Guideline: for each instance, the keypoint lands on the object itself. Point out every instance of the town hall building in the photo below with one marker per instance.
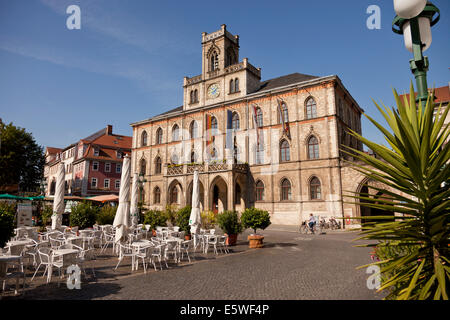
(273, 144)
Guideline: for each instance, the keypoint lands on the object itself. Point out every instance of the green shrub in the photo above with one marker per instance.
(208, 219)
(255, 219)
(182, 221)
(155, 218)
(106, 215)
(229, 222)
(171, 214)
(83, 215)
(6, 223)
(46, 215)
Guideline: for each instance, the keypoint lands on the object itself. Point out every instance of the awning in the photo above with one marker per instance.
(105, 198)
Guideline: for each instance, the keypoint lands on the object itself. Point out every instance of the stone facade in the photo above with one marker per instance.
(320, 110)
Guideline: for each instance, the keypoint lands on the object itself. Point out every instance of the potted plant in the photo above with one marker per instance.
(182, 221)
(229, 222)
(255, 219)
(155, 218)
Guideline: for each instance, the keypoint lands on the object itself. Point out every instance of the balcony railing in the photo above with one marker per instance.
(184, 169)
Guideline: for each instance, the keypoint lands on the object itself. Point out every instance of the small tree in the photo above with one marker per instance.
(208, 219)
(6, 223)
(171, 214)
(83, 215)
(182, 219)
(255, 219)
(106, 215)
(229, 222)
(155, 218)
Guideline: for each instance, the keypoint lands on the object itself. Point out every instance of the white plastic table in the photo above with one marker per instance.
(58, 252)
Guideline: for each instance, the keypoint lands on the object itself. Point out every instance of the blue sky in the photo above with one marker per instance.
(128, 61)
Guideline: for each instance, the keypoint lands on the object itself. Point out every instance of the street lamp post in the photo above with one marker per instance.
(414, 20)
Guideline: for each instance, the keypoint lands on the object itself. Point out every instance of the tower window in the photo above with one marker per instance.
(214, 61)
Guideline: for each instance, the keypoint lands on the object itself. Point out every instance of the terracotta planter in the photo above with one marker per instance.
(187, 237)
(255, 241)
(231, 239)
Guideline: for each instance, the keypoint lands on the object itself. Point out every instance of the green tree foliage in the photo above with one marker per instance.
(84, 215)
(182, 219)
(171, 214)
(21, 158)
(255, 219)
(208, 219)
(414, 246)
(7, 214)
(46, 215)
(155, 218)
(229, 222)
(106, 215)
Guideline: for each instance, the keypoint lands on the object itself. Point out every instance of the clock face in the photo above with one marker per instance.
(214, 90)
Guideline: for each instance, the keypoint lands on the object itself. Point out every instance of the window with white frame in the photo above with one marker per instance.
(96, 152)
(106, 183)
(117, 184)
(94, 183)
(118, 168)
(107, 167)
(95, 166)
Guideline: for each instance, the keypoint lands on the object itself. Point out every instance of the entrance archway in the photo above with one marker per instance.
(365, 190)
(218, 195)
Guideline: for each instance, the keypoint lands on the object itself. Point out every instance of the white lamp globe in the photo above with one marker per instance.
(408, 9)
(425, 34)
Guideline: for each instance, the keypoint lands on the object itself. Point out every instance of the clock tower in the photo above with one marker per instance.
(223, 77)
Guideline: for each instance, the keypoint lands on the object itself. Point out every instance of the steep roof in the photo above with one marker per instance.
(52, 150)
(116, 141)
(284, 81)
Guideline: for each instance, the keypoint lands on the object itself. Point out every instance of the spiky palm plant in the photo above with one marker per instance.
(417, 166)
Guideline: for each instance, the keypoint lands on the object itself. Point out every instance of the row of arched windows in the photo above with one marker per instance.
(234, 85)
(311, 112)
(285, 155)
(315, 190)
(194, 96)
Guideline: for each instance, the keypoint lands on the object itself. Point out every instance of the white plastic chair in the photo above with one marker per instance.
(158, 252)
(126, 250)
(212, 242)
(44, 260)
(222, 243)
(5, 276)
(171, 249)
(185, 247)
(143, 252)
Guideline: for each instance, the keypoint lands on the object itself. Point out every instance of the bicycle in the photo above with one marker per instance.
(305, 229)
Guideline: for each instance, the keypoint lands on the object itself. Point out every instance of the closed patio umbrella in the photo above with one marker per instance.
(58, 200)
(134, 210)
(195, 219)
(122, 218)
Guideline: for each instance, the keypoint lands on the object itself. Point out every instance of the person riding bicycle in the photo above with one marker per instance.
(311, 222)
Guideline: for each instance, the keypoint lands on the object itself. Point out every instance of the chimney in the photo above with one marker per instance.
(109, 130)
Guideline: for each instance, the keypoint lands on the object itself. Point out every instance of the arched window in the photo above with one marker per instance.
(284, 113)
(214, 61)
(231, 86)
(192, 97)
(259, 191)
(284, 151)
(193, 157)
(213, 126)
(158, 165)
(213, 154)
(157, 195)
(286, 192)
(313, 148)
(159, 136)
(193, 129)
(235, 121)
(259, 117)
(175, 133)
(174, 194)
(315, 189)
(144, 139)
(259, 153)
(311, 109)
(195, 95)
(143, 167)
(236, 85)
(174, 158)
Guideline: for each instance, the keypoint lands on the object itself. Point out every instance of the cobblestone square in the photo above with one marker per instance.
(291, 266)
